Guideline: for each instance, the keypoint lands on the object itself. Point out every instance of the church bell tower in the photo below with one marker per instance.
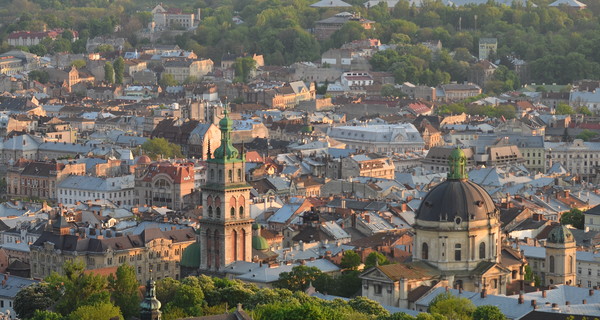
(225, 225)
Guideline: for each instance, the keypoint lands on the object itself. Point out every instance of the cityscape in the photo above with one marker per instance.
(300, 160)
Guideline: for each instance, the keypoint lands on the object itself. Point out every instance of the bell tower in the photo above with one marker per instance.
(225, 224)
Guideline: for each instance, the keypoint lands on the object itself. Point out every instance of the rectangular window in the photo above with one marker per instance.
(377, 289)
(579, 270)
(589, 272)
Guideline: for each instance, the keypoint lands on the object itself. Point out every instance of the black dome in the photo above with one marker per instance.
(456, 198)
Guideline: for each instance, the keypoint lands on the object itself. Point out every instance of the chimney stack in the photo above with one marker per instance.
(534, 303)
(591, 292)
(484, 293)
(543, 293)
(521, 299)
(584, 301)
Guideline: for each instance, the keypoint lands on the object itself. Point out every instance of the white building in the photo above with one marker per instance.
(118, 190)
(577, 157)
(384, 138)
(356, 79)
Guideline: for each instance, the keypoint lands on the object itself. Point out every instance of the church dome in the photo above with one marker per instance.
(260, 243)
(143, 160)
(560, 234)
(456, 199)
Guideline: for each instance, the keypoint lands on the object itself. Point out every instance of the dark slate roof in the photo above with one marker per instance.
(456, 198)
(540, 315)
(41, 169)
(529, 224)
(595, 210)
(507, 215)
(74, 243)
(358, 205)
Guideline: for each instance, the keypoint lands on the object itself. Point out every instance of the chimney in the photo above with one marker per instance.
(534, 303)
(543, 293)
(460, 290)
(404, 207)
(567, 193)
(368, 218)
(591, 292)
(521, 299)
(567, 303)
(584, 301)
(484, 293)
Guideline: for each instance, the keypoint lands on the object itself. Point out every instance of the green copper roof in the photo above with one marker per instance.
(560, 234)
(226, 152)
(259, 243)
(191, 256)
(150, 303)
(458, 165)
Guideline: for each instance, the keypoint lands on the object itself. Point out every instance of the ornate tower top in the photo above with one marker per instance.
(226, 152)
(150, 306)
(458, 165)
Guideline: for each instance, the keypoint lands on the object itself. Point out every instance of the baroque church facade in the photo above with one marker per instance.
(457, 243)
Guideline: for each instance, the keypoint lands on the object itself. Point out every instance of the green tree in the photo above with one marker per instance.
(119, 66)
(374, 257)
(243, 67)
(350, 260)
(45, 315)
(389, 90)
(109, 73)
(586, 135)
(76, 289)
(454, 308)
(105, 48)
(300, 277)
(564, 109)
(78, 63)
(574, 217)
(124, 290)
(167, 80)
(98, 311)
(160, 147)
(31, 299)
(165, 289)
(367, 306)
(584, 110)
(188, 298)
(488, 313)
(39, 75)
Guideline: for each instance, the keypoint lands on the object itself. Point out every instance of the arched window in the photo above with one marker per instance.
(230, 175)
(239, 174)
(425, 251)
(232, 212)
(482, 250)
(212, 174)
(551, 263)
(241, 212)
(457, 252)
(218, 212)
(220, 175)
(210, 211)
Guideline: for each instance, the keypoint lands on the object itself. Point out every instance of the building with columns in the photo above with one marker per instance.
(225, 224)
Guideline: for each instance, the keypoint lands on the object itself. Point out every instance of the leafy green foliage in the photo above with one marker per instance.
(32, 299)
(488, 313)
(573, 217)
(454, 308)
(167, 80)
(368, 306)
(45, 315)
(124, 290)
(39, 75)
(98, 311)
(564, 109)
(300, 277)
(350, 260)
(243, 67)
(119, 67)
(161, 147)
(109, 72)
(375, 257)
(586, 135)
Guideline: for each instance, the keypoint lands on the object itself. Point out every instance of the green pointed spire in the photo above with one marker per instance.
(458, 165)
(226, 152)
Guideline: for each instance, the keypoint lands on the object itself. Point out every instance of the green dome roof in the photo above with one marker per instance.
(191, 256)
(259, 243)
(560, 234)
(150, 303)
(458, 165)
